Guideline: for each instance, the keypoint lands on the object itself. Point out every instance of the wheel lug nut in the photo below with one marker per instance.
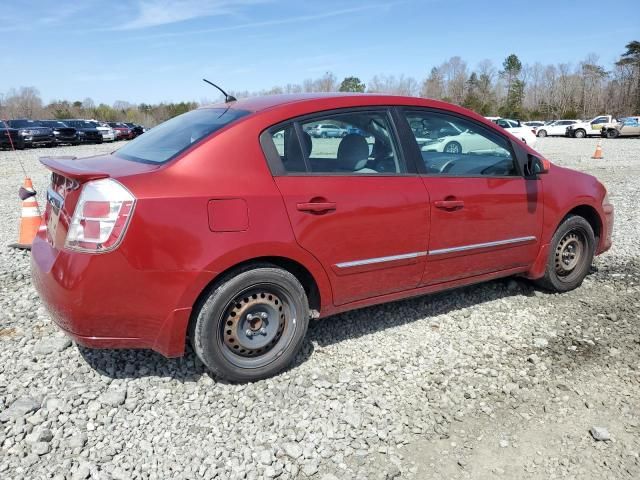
(249, 333)
(263, 331)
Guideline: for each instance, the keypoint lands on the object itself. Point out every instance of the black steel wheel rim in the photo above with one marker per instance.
(257, 326)
(569, 255)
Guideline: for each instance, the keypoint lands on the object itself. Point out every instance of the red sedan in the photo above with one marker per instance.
(122, 131)
(232, 227)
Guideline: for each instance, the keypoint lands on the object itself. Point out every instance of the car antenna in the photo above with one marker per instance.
(227, 98)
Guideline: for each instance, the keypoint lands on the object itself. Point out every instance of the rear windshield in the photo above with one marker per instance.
(162, 143)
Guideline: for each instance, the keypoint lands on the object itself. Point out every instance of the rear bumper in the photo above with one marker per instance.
(103, 301)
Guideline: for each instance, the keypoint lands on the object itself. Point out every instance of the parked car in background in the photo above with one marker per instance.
(524, 133)
(135, 128)
(33, 133)
(326, 130)
(556, 128)
(10, 137)
(625, 127)
(238, 241)
(87, 131)
(123, 131)
(64, 133)
(108, 133)
(590, 128)
(534, 124)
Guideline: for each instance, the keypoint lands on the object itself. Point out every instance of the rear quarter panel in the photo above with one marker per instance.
(171, 228)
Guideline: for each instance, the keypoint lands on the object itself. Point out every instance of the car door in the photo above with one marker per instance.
(353, 202)
(630, 126)
(485, 216)
(597, 123)
(557, 128)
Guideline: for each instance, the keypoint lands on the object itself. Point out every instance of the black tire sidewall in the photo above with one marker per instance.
(551, 279)
(206, 332)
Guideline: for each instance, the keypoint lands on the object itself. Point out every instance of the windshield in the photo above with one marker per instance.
(52, 123)
(79, 123)
(170, 138)
(23, 123)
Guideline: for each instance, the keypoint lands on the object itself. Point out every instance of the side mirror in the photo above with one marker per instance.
(536, 166)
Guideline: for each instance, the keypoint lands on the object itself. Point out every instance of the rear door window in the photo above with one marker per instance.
(353, 143)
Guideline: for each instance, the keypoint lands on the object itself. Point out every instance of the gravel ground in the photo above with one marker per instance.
(492, 381)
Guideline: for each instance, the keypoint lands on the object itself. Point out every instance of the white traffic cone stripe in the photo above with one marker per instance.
(30, 212)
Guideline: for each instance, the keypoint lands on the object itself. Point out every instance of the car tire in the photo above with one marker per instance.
(570, 255)
(452, 147)
(579, 133)
(612, 133)
(251, 324)
(542, 133)
(323, 135)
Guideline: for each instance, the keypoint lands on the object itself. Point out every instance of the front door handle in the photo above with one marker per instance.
(448, 204)
(316, 207)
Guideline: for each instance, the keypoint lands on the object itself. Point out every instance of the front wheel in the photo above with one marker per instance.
(252, 324)
(542, 133)
(453, 147)
(570, 256)
(579, 133)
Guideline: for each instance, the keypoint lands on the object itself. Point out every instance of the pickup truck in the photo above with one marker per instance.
(625, 127)
(590, 128)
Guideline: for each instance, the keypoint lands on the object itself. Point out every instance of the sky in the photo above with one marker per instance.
(159, 50)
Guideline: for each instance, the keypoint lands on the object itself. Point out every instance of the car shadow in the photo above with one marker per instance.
(369, 320)
(130, 363)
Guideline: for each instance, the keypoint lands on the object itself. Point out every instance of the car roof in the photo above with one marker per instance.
(317, 102)
(267, 102)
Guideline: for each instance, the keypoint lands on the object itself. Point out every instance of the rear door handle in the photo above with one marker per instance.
(448, 204)
(316, 207)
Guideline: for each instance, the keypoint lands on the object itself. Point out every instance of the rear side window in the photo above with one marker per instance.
(350, 143)
(164, 142)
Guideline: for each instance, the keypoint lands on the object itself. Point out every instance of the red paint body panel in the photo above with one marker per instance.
(368, 214)
(494, 209)
(228, 215)
(217, 205)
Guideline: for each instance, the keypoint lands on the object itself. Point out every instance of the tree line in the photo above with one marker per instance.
(512, 89)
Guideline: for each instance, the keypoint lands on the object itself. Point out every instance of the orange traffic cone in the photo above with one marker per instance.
(30, 218)
(597, 155)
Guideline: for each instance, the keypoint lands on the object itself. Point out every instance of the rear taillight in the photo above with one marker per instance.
(101, 216)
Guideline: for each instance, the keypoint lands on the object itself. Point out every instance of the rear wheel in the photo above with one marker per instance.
(612, 133)
(252, 324)
(580, 133)
(571, 254)
(453, 147)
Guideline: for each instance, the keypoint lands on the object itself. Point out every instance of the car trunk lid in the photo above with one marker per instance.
(67, 178)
